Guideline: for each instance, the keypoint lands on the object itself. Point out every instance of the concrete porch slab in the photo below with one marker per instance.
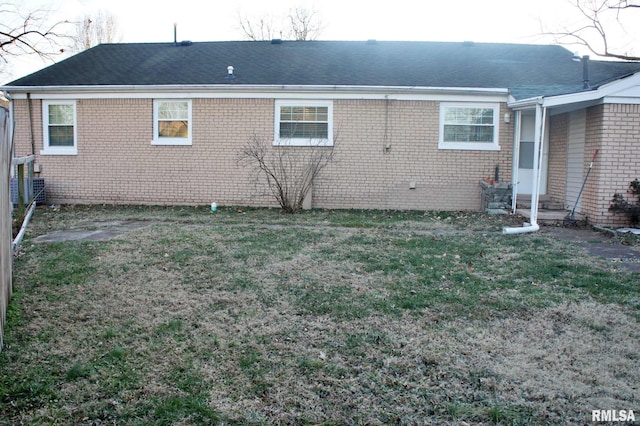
(551, 217)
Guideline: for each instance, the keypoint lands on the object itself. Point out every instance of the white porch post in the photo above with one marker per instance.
(538, 146)
(515, 164)
(541, 116)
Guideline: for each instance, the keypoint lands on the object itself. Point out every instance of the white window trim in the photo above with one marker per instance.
(277, 141)
(471, 146)
(171, 141)
(58, 150)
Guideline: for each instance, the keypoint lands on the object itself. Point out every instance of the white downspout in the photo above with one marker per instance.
(532, 226)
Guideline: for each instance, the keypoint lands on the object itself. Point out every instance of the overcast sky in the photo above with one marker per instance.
(509, 21)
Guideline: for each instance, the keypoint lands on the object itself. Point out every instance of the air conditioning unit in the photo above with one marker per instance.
(38, 190)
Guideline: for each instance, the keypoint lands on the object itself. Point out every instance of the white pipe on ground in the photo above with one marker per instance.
(18, 240)
(522, 230)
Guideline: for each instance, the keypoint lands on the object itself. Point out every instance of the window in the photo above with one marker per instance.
(59, 128)
(304, 123)
(469, 126)
(171, 122)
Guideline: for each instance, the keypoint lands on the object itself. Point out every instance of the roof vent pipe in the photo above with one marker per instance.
(230, 72)
(585, 69)
(585, 72)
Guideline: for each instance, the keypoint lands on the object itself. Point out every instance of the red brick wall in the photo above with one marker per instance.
(557, 167)
(116, 162)
(614, 129)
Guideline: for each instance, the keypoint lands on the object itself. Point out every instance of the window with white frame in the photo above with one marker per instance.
(59, 128)
(171, 122)
(469, 126)
(303, 123)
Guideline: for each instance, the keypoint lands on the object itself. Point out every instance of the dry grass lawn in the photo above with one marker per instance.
(253, 317)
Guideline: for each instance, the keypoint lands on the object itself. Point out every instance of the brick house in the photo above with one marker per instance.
(416, 125)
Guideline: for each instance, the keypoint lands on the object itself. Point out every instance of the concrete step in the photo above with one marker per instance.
(551, 205)
(555, 217)
(545, 203)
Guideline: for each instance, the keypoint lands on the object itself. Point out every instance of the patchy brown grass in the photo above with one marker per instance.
(359, 320)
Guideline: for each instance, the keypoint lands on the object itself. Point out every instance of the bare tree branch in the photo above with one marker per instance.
(263, 29)
(305, 24)
(289, 172)
(594, 32)
(92, 30)
(300, 24)
(30, 33)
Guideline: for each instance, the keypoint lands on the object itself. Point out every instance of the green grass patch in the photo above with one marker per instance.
(248, 316)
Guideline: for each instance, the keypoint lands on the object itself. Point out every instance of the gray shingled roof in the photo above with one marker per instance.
(527, 70)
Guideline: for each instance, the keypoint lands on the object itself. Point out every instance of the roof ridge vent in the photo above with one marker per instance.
(468, 43)
(372, 41)
(276, 41)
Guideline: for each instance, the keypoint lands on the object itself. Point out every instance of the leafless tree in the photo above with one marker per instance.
(305, 24)
(300, 24)
(259, 29)
(288, 171)
(29, 32)
(92, 30)
(598, 21)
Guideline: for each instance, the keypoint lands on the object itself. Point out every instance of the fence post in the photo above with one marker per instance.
(6, 254)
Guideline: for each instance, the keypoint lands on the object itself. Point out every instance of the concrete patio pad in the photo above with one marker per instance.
(94, 231)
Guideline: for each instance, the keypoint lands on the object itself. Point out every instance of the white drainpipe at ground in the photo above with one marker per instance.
(532, 226)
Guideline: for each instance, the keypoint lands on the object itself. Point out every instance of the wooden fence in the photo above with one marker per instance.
(6, 241)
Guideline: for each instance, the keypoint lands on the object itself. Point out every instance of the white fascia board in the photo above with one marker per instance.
(630, 96)
(626, 86)
(260, 91)
(625, 90)
(573, 98)
(622, 100)
(528, 103)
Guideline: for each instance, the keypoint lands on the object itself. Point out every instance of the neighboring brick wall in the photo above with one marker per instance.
(557, 166)
(614, 129)
(116, 162)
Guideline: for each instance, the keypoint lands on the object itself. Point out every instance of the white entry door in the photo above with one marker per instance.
(526, 155)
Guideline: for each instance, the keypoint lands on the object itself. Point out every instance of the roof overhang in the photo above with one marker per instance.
(255, 91)
(622, 91)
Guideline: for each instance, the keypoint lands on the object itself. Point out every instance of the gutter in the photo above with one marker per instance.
(257, 88)
(526, 103)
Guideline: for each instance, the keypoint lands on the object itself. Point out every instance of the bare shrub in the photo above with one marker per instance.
(289, 171)
(631, 208)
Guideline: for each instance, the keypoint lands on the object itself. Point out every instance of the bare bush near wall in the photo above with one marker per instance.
(288, 171)
(6, 237)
